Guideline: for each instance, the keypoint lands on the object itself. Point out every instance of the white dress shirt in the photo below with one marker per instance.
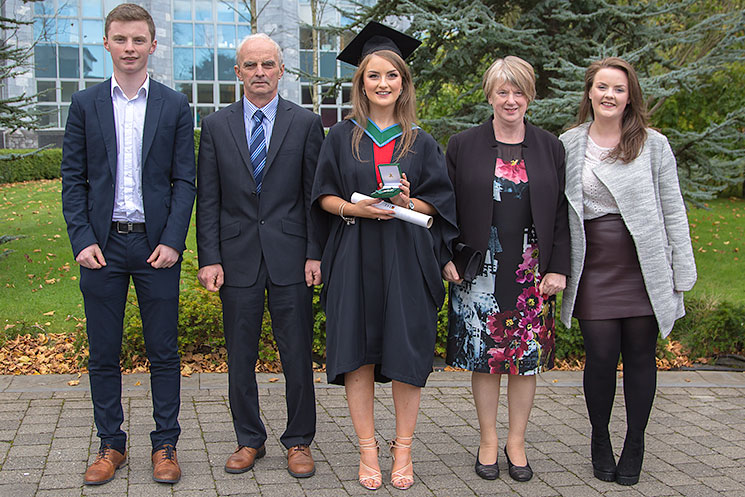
(129, 122)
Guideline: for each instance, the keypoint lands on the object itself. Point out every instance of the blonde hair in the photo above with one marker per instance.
(512, 70)
(634, 121)
(404, 111)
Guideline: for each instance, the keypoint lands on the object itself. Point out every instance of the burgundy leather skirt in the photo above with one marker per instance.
(611, 286)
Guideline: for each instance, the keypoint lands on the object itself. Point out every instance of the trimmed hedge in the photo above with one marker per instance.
(44, 164)
(710, 328)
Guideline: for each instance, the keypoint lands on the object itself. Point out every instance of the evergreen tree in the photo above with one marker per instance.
(679, 48)
(15, 112)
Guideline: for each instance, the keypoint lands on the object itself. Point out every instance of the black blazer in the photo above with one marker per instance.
(471, 157)
(236, 227)
(89, 167)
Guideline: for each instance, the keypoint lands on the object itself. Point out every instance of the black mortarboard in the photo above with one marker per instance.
(374, 37)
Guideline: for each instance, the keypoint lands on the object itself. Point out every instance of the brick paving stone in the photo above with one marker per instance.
(695, 440)
(18, 490)
(61, 481)
(723, 484)
(651, 487)
(698, 470)
(60, 492)
(117, 487)
(675, 478)
(560, 479)
(625, 492)
(579, 491)
(194, 493)
(151, 489)
(697, 491)
(24, 462)
(23, 477)
(28, 450)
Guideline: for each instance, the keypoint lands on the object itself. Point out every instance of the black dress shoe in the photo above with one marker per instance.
(630, 463)
(487, 471)
(603, 462)
(519, 473)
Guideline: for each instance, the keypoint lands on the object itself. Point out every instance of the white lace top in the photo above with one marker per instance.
(596, 198)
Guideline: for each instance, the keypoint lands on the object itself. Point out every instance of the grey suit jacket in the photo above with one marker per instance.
(236, 226)
(648, 195)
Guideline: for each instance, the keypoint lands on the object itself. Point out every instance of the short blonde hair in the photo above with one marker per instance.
(512, 70)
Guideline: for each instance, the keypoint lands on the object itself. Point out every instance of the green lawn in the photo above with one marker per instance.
(718, 236)
(39, 290)
(39, 280)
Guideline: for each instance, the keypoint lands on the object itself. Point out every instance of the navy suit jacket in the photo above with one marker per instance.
(89, 167)
(236, 227)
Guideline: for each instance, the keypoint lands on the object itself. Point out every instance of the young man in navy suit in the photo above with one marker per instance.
(127, 195)
(257, 159)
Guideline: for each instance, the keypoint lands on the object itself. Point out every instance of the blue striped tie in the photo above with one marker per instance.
(257, 148)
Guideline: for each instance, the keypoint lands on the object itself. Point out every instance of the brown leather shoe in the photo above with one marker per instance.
(299, 462)
(165, 465)
(243, 459)
(103, 468)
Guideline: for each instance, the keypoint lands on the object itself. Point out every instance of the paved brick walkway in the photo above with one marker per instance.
(695, 440)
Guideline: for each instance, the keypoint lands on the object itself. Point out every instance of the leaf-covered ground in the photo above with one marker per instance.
(41, 306)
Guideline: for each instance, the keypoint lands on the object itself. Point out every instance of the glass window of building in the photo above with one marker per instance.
(205, 36)
(69, 53)
(333, 104)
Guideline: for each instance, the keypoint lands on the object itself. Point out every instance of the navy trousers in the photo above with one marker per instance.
(105, 295)
(291, 311)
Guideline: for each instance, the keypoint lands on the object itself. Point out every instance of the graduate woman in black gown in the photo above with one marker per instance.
(382, 275)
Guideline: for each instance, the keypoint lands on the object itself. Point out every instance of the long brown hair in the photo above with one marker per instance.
(404, 111)
(634, 120)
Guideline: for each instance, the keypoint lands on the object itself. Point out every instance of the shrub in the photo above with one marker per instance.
(45, 164)
(711, 327)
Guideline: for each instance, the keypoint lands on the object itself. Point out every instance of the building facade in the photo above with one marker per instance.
(197, 40)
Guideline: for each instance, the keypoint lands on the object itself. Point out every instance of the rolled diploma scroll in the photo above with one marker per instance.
(401, 213)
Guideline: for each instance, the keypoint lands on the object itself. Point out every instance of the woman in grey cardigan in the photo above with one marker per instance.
(631, 255)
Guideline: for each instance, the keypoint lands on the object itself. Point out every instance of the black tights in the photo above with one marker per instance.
(636, 340)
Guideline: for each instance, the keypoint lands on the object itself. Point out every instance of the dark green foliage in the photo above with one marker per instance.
(685, 51)
(30, 165)
(17, 112)
(442, 327)
(711, 328)
(319, 326)
(200, 313)
(25, 165)
(569, 342)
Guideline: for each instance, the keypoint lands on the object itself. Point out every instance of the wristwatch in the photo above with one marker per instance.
(411, 204)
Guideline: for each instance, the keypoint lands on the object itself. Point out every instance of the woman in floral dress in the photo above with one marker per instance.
(508, 177)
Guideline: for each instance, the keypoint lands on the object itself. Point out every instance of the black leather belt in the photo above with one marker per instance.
(127, 227)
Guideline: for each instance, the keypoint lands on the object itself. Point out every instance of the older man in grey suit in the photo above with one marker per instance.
(257, 159)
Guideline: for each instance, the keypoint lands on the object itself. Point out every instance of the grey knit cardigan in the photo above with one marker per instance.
(648, 195)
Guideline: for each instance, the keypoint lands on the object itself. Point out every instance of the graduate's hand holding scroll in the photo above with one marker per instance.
(370, 209)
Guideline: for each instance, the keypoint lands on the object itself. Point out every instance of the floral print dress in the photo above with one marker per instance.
(500, 323)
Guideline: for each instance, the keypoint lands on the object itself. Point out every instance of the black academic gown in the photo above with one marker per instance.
(382, 279)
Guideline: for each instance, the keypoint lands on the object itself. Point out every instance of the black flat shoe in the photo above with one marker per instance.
(519, 473)
(630, 463)
(603, 462)
(487, 471)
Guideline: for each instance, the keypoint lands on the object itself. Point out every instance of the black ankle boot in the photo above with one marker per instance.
(630, 462)
(603, 462)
